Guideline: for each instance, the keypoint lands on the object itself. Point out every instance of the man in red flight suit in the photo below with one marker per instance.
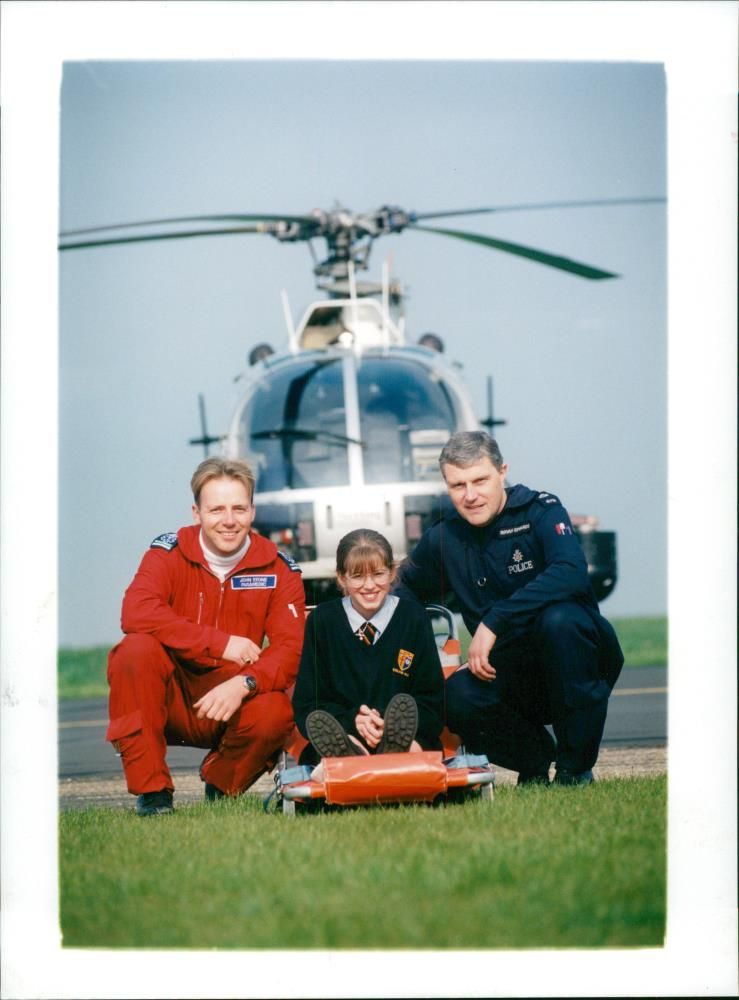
(191, 670)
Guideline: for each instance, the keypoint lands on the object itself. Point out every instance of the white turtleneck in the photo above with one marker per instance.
(222, 565)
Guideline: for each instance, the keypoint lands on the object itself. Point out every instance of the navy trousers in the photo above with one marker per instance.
(560, 673)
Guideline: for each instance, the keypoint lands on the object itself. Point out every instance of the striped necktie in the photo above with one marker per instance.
(366, 633)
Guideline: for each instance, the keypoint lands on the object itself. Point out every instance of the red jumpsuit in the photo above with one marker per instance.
(178, 618)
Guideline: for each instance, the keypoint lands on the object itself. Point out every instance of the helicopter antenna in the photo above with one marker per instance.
(490, 422)
(205, 439)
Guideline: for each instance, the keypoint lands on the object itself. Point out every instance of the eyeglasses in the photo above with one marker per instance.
(379, 576)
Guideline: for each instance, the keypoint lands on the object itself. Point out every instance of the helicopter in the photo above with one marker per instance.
(343, 427)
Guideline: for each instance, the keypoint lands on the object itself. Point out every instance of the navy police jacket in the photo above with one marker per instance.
(505, 573)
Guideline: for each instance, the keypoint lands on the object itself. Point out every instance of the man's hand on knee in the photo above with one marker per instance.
(479, 650)
(241, 650)
(222, 701)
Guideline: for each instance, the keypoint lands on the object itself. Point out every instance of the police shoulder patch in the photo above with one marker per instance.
(547, 498)
(166, 541)
(290, 562)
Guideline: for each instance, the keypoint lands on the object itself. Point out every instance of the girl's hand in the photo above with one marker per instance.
(370, 725)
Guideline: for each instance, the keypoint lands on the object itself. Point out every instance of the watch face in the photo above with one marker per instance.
(250, 683)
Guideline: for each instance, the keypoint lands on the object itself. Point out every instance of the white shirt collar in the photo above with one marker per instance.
(381, 618)
(222, 565)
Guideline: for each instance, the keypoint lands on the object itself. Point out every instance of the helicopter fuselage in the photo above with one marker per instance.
(344, 431)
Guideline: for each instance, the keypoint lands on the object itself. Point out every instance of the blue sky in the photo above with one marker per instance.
(579, 367)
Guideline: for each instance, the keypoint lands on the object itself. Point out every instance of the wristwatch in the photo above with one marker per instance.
(250, 683)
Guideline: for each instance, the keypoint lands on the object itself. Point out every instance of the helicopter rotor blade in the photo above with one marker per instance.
(539, 256)
(343, 230)
(185, 234)
(537, 206)
(231, 217)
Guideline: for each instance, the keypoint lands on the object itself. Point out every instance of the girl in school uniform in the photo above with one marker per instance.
(370, 679)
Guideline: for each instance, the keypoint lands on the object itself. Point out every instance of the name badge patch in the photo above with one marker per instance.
(519, 529)
(254, 582)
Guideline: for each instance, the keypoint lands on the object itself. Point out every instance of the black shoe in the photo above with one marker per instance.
(212, 794)
(537, 778)
(154, 803)
(328, 736)
(401, 723)
(538, 773)
(565, 777)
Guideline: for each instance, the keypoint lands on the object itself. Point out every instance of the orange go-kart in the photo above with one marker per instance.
(430, 776)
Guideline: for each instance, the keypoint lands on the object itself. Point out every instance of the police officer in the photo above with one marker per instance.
(540, 652)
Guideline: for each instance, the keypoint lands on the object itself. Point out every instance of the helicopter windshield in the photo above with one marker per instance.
(294, 427)
(406, 416)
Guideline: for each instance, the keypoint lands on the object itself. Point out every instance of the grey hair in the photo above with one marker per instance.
(467, 447)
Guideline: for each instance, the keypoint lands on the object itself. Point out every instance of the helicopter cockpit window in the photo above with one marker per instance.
(294, 427)
(407, 414)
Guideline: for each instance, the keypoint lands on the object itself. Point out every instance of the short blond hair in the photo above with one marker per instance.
(222, 468)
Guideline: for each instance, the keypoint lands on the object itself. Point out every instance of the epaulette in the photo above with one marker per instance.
(290, 562)
(166, 541)
(547, 498)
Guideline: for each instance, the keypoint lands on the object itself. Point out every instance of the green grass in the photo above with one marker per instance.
(81, 672)
(536, 868)
(643, 640)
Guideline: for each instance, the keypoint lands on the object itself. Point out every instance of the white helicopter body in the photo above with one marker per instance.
(344, 430)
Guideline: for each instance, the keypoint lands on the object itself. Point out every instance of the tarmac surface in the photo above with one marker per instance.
(90, 774)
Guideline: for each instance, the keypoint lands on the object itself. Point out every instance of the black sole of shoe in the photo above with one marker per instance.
(401, 723)
(328, 736)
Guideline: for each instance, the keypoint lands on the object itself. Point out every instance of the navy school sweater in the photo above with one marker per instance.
(338, 673)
